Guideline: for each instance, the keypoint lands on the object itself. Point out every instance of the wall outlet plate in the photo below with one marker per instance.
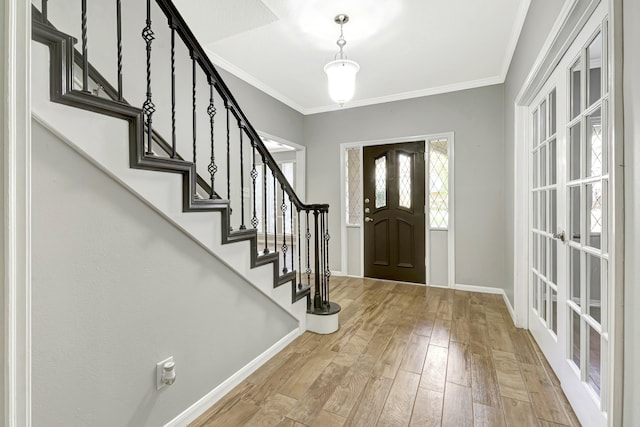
(159, 366)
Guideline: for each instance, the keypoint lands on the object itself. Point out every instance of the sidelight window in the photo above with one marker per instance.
(439, 184)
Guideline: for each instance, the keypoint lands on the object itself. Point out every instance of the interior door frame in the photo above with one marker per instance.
(572, 18)
(450, 136)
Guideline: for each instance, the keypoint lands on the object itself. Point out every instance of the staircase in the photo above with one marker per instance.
(217, 164)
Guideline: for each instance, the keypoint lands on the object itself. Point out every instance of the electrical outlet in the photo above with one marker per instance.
(159, 369)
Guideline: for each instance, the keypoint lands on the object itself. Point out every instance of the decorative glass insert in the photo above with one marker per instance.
(439, 183)
(594, 72)
(576, 94)
(594, 144)
(404, 180)
(594, 201)
(381, 182)
(352, 186)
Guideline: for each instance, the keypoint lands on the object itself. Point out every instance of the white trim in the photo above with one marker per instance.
(198, 408)
(300, 186)
(520, 18)
(17, 211)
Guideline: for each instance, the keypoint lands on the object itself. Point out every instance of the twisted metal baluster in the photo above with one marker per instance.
(283, 208)
(317, 299)
(119, 37)
(275, 215)
(320, 272)
(148, 107)
(327, 272)
(212, 168)
(85, 58)
(173, 88)
(308, 236)
(254, 176)
(242, 226)
(291, 234)
(264, 202)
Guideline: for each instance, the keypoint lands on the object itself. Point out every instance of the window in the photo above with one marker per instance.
(287, 169)
(352, 186)
(438, 184)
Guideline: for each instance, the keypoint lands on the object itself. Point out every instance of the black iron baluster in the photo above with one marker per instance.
(327, 272)
(85, 58)
(173, 88)
(226, 105)
(308, 236)
(317, 300)
(119, 31)
(148, 107)
(275, 215)
(283, 208)
(254, 176)
(212, 168)
(291, 234)
(44, 11)
(264, 203)
(193, 113)
(242, 226)
(299, 253)
(322, 264)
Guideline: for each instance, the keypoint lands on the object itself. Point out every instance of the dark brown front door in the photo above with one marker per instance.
(394, 221)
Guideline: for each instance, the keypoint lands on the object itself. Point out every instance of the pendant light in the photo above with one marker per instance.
(341, 72)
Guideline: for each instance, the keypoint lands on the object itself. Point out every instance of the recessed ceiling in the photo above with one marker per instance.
(405, 48)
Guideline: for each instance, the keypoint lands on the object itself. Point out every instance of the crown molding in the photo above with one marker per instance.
(515, 35)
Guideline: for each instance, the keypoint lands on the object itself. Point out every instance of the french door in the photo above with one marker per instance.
(569, 226)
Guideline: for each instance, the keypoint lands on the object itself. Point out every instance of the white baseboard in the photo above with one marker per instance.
(509, 307)
(194, 411)
(480, 289)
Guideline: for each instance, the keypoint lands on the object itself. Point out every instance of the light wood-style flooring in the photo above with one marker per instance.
(404, 355)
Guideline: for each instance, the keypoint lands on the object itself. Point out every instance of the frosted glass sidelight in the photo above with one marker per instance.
(381, 181)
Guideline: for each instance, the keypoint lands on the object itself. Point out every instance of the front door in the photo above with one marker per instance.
(394, 206)
(570, 226)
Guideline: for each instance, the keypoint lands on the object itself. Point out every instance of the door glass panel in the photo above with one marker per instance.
(535, 128)
(543, 300)
(404, 180)
(594, 357)
(535, 169)
(554, 261)
(593, 286)
(594, 61)
(594, 215)
(574, 213)
(575, 338)
(543, 121)
(554, 310)
(535, 291)
(535, 251)
(574, 276)
(553, 211)
(594, 144)
(381, 181)
(543, 166)
(543, 256)
(574, 152)
(576, 94)
(439, 183)
(535, 209)
(552, 162)
(552, 113)
(543, 210)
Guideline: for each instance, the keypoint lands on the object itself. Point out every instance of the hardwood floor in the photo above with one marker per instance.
(404, 356)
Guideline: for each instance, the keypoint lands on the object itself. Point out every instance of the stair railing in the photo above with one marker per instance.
(300, 233)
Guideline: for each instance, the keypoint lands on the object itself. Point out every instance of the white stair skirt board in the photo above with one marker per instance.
(104, 141)
(207, 401)
(322, 324)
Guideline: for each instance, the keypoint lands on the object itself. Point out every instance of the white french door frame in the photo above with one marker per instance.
(450, 137)
(573, 17)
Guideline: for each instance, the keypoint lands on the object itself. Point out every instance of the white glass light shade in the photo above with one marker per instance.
(341, 75)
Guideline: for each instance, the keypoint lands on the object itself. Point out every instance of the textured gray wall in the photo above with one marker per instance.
(116, 289)
(631, 11)
(2, 118)
(540, 18)
(476, 117)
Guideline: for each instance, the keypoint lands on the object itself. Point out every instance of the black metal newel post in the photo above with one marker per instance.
(212, 168)
(264, 203)
(119, 36)
(85, 58)
(291, 233)
(322, 264)
(242, 226)
(308, 236)
(317, 300)
(283, 208)
(148, 107)
(226, 106)
(173, 88)
(254, 176)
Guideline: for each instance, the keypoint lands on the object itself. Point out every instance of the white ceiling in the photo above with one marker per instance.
(405, 48)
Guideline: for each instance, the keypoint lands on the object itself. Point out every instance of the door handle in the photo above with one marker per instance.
(368, 219)
(559, 235)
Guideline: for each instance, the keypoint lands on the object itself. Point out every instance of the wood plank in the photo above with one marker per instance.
(487, 416)
(484, 382)
(525, 353)
(327, 419)
(518, 413)
(348, 391)
(435, 368)
(459, 364)
(416, 352)
(280, 376)
(302, 378)
(509, 378)
(427, 409)
(273, 411)
(397, 409)
(440, 333)
(479, 339)
(461, 330)
(389, 362)
(224, 404)
(424, 325)
(543, 397)
(458, 408)
(288, 422)
(366, 411)
(238, 415)
(379, 341)
(311, 402)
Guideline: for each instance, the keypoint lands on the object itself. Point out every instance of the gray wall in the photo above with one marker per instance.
(540, 18)
(2, 118)
(476, 117)
(116, 289)
(631, 11)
